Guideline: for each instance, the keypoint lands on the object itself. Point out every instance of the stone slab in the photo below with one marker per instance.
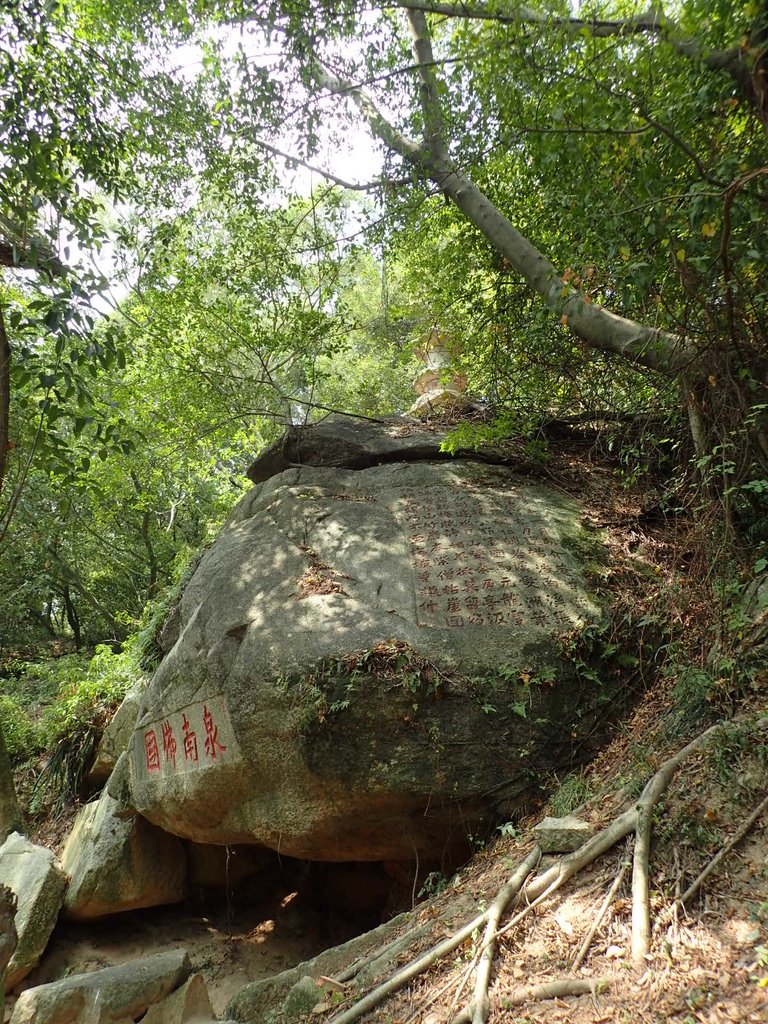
(562, 835)
(108, 996)
(117, 864)
(34, 876)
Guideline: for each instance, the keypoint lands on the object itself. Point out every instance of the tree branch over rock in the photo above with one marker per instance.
(593, 324)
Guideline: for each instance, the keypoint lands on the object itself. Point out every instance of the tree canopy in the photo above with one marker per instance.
(575, 197)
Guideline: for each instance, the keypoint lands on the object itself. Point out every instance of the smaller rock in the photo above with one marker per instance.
(109, 996)
(188, 1003)
(37, 881)
(116, 737)
(562, 835)
(119, 788)
(118, 864)
(302, 998)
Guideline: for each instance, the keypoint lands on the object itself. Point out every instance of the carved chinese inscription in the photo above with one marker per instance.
(484, 559)
(171, 744)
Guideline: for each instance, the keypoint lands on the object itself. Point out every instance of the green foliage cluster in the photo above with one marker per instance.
(53, 714)
(45, 702)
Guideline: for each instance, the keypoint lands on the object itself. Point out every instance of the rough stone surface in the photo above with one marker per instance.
(7, 938)
(118, 864)
(355, 675)
(37, 881)
(108, 996)
(347, 443)
(562, 835)
(302, 998)
(254, 1002)
(119, 788)
(186, 1005)
(116, 736)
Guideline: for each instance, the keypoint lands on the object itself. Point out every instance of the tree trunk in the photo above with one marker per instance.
(152, 582)
(72, 617)
(71, 578)
(5, 397)
(10, 813)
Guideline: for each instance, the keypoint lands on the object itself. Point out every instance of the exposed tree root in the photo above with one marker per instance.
(480, 1006)
(653, 792)
(637, 819)
(584, 948)
(556, 990)
(418, 966)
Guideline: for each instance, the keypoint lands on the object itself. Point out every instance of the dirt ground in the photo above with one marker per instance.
(708, 963)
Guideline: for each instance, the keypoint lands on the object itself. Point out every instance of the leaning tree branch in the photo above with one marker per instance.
(598, 327)
(428, 93)
(733, 61)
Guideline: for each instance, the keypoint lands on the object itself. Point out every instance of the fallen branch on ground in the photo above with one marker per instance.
(694, 887)
(556, 990)
(584, 948)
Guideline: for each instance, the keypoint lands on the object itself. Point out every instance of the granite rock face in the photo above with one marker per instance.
(364, 665)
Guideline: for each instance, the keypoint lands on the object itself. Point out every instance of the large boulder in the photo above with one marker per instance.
(117, 864)
(32, 873)
(365, 664)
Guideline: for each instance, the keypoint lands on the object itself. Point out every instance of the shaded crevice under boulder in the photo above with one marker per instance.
(366, 663)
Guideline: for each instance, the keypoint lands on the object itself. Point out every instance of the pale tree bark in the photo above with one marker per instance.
(598, 327)
(10, 813)
(745, 65)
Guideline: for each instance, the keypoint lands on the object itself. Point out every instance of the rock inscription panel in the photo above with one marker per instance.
(481, 558)
(199, 735)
